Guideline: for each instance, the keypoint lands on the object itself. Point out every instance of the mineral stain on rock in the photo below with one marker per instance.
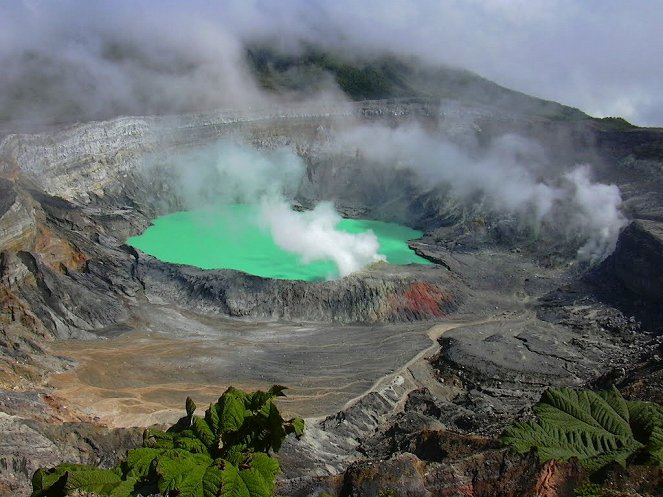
(425, 299)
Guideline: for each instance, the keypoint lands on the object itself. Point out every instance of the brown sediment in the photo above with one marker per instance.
(131, 381)
(142, 378)
(426, 298)
(57, 253)
(422, 300)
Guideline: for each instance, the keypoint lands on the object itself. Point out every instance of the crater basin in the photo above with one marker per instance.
(234, 237)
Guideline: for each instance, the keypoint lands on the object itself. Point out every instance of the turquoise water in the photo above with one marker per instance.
(232, 237)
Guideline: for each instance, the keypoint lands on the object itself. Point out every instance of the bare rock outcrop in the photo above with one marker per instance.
(637, 261)
(379, 294)
(482, 473)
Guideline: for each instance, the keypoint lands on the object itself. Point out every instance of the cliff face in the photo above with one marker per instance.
(637, 261)
(382, 294)
(80, 161)
(17, 218)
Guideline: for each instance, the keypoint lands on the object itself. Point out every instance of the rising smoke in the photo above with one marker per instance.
(512, 174)
(508, 174)
(598, 213)
(313, 235)
(81, 60)
(233, 172)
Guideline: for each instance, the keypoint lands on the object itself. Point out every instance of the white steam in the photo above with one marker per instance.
(314, 236)
(228, 172)
(511, 173)
(505, 173)
(598, 214)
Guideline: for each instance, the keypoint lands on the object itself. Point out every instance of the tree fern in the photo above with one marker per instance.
(597, 428)
(226, 452)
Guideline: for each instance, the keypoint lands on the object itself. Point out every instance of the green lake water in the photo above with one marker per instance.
(232, 237)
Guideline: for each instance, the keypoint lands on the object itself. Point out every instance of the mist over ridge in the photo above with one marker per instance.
(79, 60)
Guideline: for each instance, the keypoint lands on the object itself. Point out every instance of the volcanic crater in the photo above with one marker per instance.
(467, 343)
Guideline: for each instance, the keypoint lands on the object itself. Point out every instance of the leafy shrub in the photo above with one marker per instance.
(597, 428)
(617, 123)
(589, 490)
(225, 453)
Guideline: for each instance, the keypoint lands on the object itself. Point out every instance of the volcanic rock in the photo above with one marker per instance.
(637, 261)
(510, 309)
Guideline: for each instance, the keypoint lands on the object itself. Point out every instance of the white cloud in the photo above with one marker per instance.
(601, 56)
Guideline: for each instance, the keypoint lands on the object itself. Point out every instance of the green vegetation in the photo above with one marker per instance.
(616, 123)
(381, 78)
(597, 428)
(225, 453)
(388, 76)
(589, 490)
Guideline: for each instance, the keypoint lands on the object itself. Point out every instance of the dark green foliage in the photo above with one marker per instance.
(380, 78)
(226, 453)
(617, 123)
(589, 490)
(256, 481)
(597, 428)
(387, 77)
(67, 478)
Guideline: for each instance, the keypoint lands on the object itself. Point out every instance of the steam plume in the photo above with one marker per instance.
(313, 236)
(598, 214)
(508, 173)
(230, 172)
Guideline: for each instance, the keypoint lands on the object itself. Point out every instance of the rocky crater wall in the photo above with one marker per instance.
(379, 294)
